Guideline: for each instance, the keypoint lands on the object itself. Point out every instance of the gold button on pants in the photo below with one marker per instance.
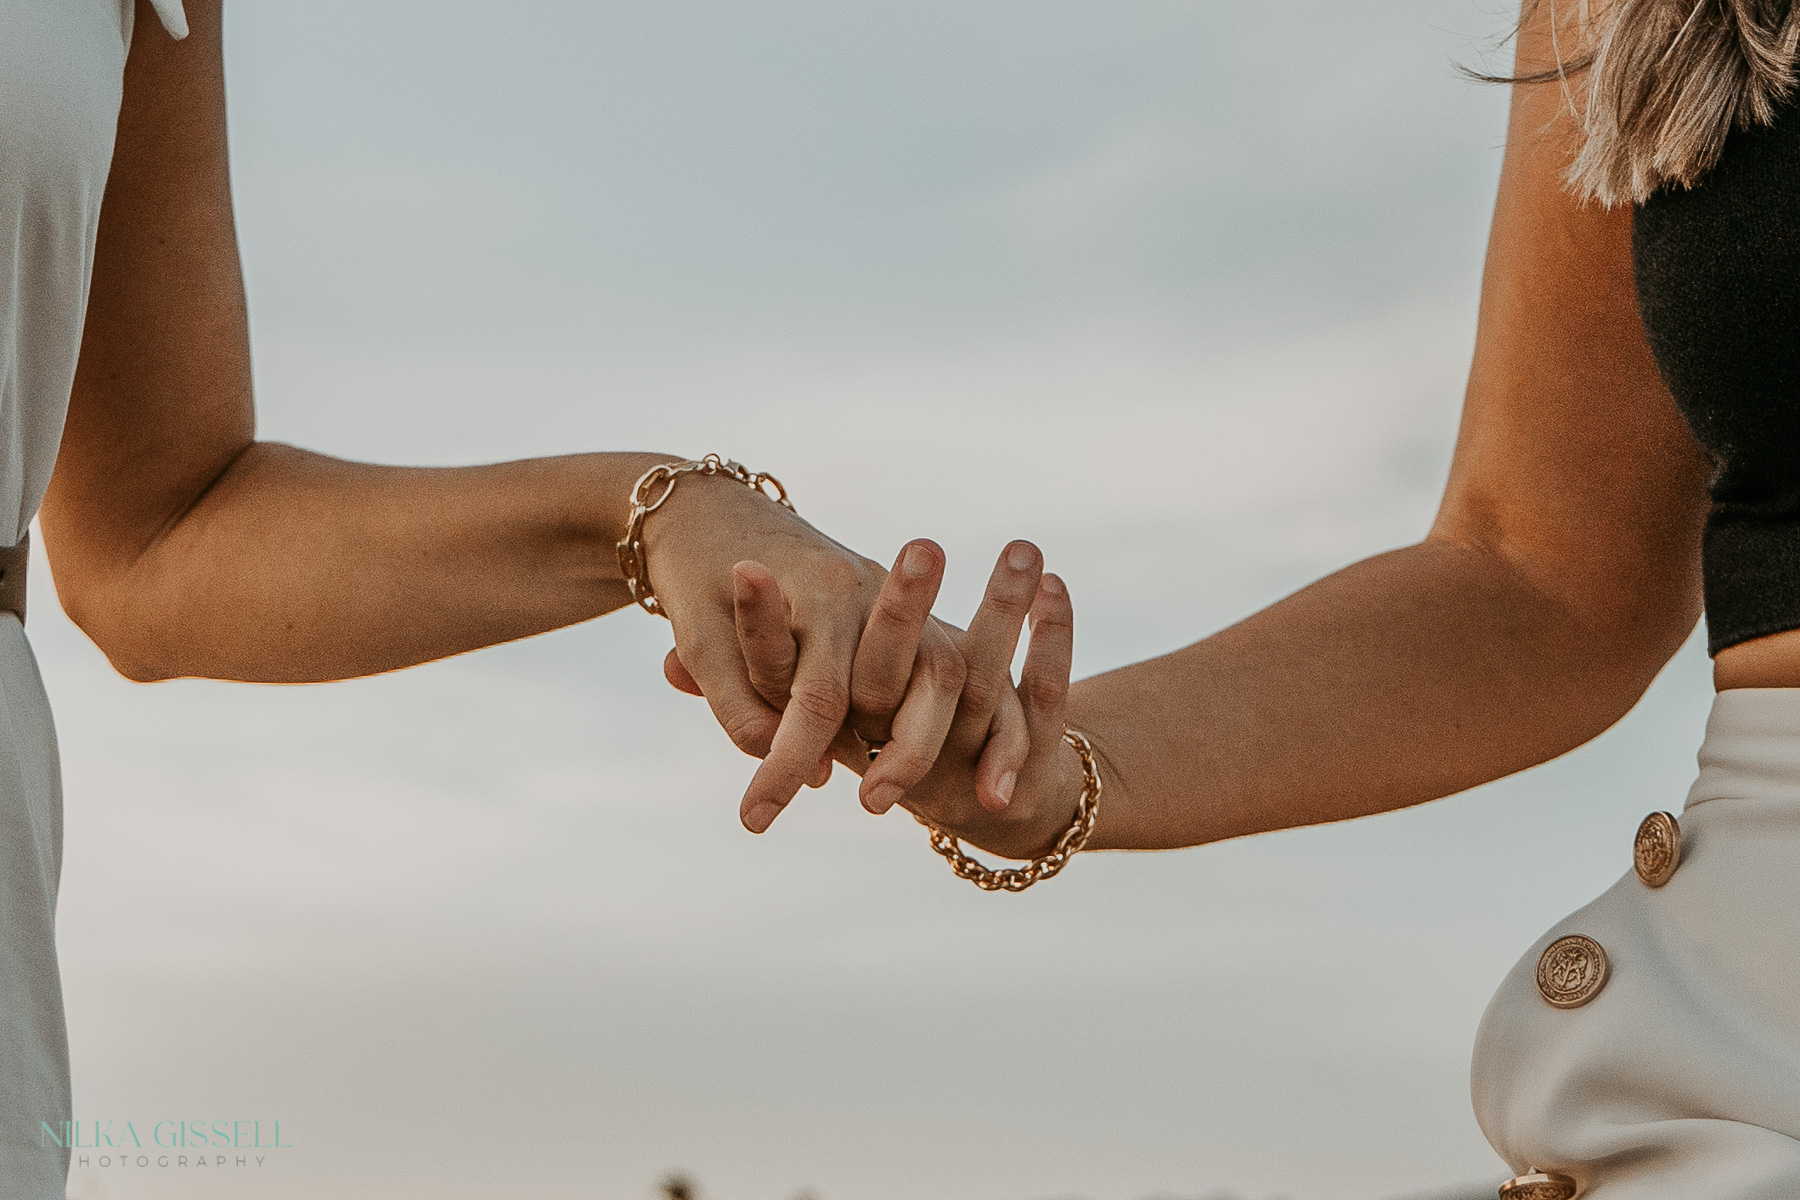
(1656, 852)
(1572, 970)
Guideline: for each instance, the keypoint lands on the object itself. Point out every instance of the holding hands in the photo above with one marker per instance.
(827, 660)
(775, 644)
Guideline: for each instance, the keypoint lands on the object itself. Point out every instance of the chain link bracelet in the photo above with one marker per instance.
(646, 499)
(1017, 879)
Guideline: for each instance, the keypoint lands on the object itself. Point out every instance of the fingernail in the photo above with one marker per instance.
(916, 561)
(1053, 585)
(883, 797)
(1004, 788)
(761, 817)
(1021, 557)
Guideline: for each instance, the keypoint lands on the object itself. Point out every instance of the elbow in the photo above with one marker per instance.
(121, 634)
(129, 656)
(1611, 654)
(1587, 635)
(1626, 642)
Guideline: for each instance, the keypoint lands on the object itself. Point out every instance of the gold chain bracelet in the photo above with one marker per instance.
(632, 563)
(1017, 879)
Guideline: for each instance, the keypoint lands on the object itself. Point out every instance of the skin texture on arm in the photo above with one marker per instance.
(1560, 575)
(185, 547)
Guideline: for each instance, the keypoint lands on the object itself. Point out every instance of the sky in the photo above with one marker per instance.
(1184, 292)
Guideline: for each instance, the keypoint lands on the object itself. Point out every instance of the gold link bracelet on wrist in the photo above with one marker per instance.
(632, 564)
(1017, 879)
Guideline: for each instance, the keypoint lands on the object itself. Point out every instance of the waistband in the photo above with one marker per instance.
(1752, 747)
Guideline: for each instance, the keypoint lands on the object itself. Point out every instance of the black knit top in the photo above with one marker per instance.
(1718, 284)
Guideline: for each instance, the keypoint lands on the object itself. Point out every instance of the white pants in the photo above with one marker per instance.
(1681, 1079)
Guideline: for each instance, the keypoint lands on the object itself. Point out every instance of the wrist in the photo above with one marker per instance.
(1070, 842)
(586, 501)
(698, 506)
(700, 514)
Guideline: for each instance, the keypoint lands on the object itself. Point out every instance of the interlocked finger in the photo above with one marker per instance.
(1004, 756)
(919, 728)
(765, 631)
(992, 639)
(816, 708)
(890, 647)
(1044, 681)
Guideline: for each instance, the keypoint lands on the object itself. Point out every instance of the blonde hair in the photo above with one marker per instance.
(1662, 83)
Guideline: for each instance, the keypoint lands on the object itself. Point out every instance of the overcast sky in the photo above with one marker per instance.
(1183, 291)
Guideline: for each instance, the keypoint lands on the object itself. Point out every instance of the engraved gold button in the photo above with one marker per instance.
(1657, 851)
(1572, 971)
(1539, 1185)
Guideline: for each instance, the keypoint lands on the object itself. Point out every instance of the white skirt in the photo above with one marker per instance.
(1680, 1079)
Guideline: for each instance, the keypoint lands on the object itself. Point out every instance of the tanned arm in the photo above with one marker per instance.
(1561, 573)
(185, 547)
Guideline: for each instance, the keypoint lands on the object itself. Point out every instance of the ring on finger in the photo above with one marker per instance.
(874, 747)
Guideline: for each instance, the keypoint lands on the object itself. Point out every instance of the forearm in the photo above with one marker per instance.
(1403, 678)
(293, 566)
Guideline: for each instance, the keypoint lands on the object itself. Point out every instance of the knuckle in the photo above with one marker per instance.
(753, 733)
(1044, 694)
(1007, 604)
(765, 669)
(823, 698)
(771, 682)
(941, 663)
(764, 658)
(893, 608)
(981, 691)
(881, 698)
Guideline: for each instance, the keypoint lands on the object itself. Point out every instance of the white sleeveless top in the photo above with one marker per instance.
(62, 67)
